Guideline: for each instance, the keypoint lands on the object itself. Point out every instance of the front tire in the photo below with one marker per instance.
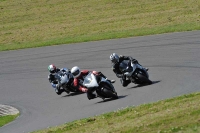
(59, 92)
(143, 79)
(111, 94)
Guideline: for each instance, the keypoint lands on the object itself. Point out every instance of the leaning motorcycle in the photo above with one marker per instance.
(104, 88)
(65, 80)
(134, 72)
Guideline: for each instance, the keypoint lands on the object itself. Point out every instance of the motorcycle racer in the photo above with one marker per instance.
(79, 78)
(51, 77)
(116, 60)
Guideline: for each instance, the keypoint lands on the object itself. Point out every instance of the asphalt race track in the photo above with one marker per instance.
(173, 61)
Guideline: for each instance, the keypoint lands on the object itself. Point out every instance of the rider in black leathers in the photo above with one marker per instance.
(116, 60)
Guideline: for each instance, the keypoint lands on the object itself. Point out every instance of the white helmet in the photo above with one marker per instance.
(114, 58)
(75, 71)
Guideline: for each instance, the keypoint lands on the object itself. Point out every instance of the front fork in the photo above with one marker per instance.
(109, 85)
(141, 71)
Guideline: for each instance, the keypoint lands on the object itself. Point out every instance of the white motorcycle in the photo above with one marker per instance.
(102, 86)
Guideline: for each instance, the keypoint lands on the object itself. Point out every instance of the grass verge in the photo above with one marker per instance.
(179, 114)
(27, 23)
(6, 119)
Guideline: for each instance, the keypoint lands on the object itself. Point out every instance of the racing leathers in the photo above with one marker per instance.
(54, 82)
(119, 74)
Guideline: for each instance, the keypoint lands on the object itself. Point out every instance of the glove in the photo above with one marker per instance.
(134, 61)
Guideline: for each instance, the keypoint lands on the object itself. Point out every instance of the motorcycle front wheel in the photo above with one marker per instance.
(109, 93)
(143, 79)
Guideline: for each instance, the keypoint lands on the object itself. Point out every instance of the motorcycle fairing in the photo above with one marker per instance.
(64, 79)
(127, 67)
(132, 69)
(90, 81)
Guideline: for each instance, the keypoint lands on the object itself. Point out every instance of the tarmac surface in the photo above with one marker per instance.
(173, 60)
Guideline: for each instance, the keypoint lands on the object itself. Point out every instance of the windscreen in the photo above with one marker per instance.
(125, 66)
(87, 79)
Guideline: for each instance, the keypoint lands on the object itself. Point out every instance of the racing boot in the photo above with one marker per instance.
(90, 95)
(67, 91)
(58, 90)
(101, 97)
(111, 81)
(125, 82)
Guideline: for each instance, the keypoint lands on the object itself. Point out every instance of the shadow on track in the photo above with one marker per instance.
(137, 86)
(154, 82)
(74, 94)
(111, 99)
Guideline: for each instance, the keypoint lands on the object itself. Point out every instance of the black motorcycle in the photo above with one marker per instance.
(134, 72)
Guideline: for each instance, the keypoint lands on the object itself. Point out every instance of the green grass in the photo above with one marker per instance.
(27, 23)
(176, 115)
(6, 119)
(37, 23)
